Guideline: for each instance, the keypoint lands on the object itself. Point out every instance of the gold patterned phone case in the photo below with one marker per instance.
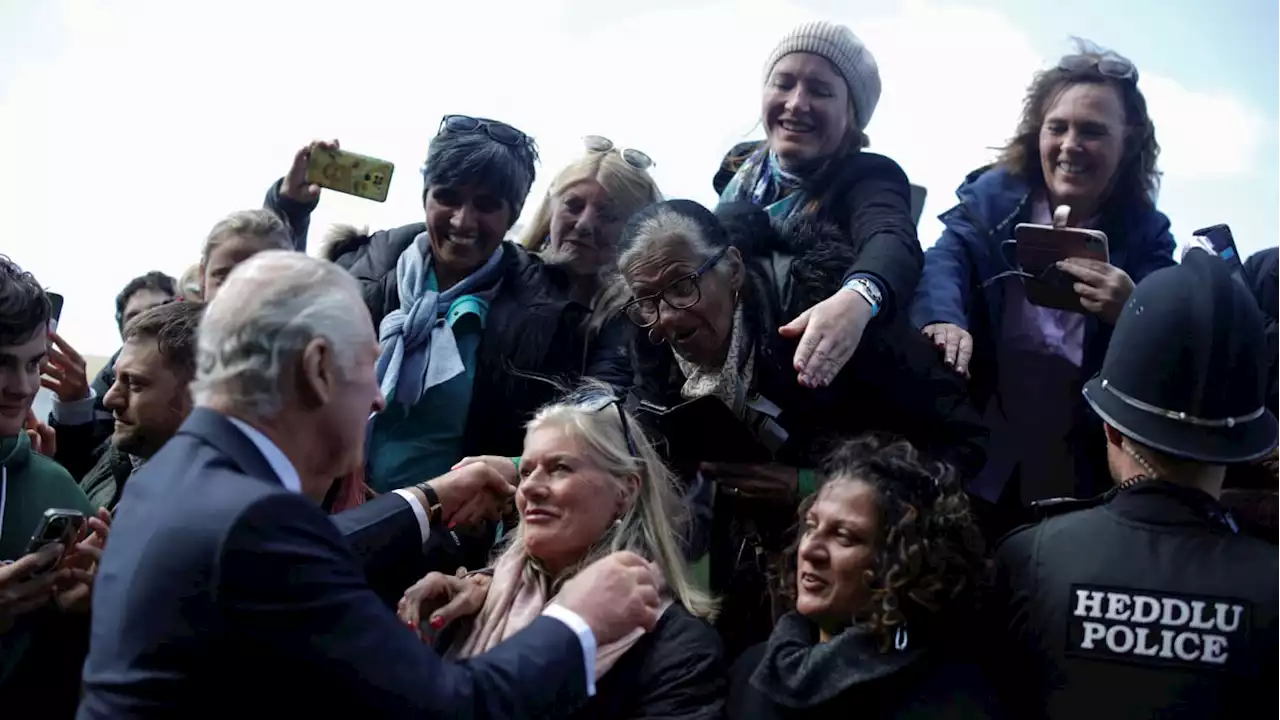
(349, 173)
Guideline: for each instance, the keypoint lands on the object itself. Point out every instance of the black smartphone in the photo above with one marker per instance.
(55, 310)
(1223, 244)
(700, 430)
(57, 526)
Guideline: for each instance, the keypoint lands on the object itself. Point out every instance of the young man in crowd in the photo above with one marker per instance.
(81, 421)
(148, 399)
(40, 646)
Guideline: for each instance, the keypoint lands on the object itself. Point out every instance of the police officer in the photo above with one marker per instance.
(1147, 601)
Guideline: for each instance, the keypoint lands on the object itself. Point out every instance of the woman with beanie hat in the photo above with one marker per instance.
(821, 87)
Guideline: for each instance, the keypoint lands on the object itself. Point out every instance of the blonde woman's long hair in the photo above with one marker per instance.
(652, 526)
(630, 188)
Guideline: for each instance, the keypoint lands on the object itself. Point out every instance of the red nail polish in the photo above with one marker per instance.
(453, 524)
(437, 622)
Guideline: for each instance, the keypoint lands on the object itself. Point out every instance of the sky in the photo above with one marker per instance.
(129, 128)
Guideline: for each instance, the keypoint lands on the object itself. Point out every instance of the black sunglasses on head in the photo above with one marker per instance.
(1108, 65)
(497, 131)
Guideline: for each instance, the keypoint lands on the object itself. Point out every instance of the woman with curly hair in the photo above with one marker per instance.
(710, 291)
(882, 574)
(1084, 141)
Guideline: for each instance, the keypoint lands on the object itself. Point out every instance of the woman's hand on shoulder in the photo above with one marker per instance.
(444, 598)
(829, 333)
(955, 343)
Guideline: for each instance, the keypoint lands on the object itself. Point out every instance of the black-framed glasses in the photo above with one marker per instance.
(681, 295)
(603, 401)
(635, 158)
(497, 131)
(1109, 65)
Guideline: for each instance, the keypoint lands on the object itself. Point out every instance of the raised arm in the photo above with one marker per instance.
(289, 588)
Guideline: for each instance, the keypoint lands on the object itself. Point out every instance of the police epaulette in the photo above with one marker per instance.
(1042, 509)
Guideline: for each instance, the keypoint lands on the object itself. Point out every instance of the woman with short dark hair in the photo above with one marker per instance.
(1085, 141)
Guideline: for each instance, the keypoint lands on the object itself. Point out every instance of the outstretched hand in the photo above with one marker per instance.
(829, 334)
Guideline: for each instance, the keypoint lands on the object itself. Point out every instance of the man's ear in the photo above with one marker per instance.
(317, 374)
(1113, 435)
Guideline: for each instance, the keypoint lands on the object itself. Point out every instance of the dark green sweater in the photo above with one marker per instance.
(32, 484)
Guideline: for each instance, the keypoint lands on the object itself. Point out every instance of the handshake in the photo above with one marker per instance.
(475, 490)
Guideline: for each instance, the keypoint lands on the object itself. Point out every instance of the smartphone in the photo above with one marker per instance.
(700, 430)
(55, 310)
(1224, 246)
(1041, 247)
(349, 173)
(57, 526)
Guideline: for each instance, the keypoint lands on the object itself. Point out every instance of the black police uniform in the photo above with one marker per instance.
(1143, 603)
(1147, 602)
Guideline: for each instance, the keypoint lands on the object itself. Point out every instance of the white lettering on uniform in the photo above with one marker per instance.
(1088, 604)
(1153, 627)
(1118, 606)
(1146, 609)
(1171, 619)
(1093, 632)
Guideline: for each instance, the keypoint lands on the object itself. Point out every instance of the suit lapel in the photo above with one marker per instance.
(216, 430)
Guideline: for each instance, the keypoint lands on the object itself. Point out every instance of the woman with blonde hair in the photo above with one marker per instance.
(578, 224)
(591, 484)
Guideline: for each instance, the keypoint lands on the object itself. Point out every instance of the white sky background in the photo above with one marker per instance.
(129, 128)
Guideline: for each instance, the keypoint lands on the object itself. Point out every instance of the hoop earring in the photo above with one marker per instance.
(900, 638)
(659, 341)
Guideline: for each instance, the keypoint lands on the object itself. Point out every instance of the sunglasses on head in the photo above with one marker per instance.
(600, 402)
(1110, 66)
(497, 131)
(635, 158)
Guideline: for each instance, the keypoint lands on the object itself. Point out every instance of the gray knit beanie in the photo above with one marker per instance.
(843, 49)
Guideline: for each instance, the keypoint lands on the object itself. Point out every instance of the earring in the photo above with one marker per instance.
(900, 638)
(659, 341)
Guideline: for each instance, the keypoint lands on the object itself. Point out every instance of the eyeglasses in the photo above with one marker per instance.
(497, 131)
(681, 295)
(633, 157)
(1110, 66)
(601, 402)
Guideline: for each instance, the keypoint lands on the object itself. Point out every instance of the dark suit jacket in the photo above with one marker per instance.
(222, 592)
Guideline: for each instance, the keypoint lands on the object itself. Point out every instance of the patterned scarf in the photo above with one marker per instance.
(729, 383)
(419, 350)
(762, 181)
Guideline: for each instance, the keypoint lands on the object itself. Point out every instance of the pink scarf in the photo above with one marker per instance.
(517, 596)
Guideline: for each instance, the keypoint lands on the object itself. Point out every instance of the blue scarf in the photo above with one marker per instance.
(419, 350)
(762, 181)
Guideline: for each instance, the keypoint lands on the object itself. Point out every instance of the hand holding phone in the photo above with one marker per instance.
(26, 584)
(347, 172)
(1041, 250)
(57, 527)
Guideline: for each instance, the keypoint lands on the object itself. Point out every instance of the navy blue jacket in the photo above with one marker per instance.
(222, 592)
(953, 287)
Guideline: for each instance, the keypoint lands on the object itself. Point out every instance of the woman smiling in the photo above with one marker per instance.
(882, 576)
(821, 87)
(591, 484)
(1085, 141)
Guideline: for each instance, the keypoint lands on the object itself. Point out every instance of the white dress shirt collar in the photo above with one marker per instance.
(275, 457)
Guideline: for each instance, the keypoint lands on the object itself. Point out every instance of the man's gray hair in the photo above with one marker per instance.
(270, 308)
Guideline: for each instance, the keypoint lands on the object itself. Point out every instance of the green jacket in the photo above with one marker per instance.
(32, 483)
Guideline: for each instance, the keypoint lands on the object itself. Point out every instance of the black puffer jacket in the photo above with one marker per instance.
(894, 383)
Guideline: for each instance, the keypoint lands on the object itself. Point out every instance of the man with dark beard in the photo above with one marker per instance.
(149, 398)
